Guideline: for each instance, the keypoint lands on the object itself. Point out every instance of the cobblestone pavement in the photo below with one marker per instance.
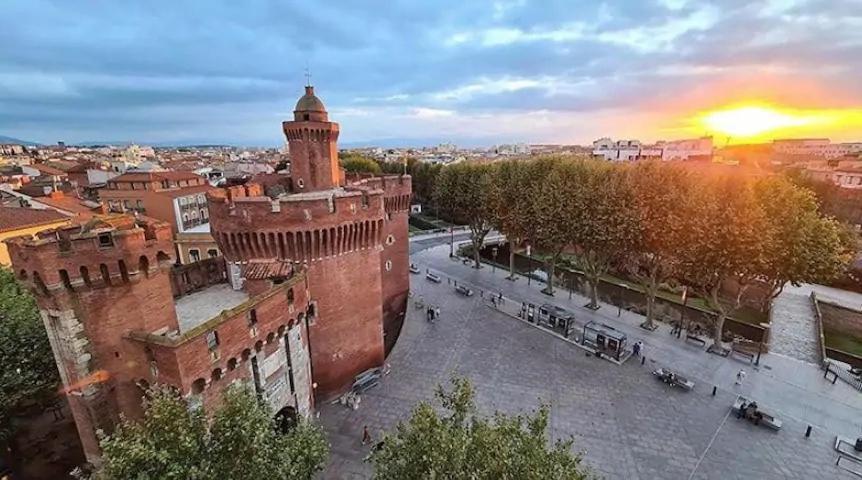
(794, 327)
(628, 424)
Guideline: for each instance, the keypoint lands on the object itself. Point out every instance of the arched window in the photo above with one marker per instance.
(124, 272)
(40, 285)
(270, 338)
(106, 274)
(231, 364)
(216, 375)
(246, 354)
(198, 386)
(64, 277)
(144, 265)
(258, 346)
(22, 275)
(85, 274)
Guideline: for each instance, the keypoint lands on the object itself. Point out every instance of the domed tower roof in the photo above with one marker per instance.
(309, 107)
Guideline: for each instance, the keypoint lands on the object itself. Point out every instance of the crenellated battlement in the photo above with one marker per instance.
(108, 250)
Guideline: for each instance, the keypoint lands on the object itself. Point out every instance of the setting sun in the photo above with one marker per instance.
(759, 122)
(752, 121)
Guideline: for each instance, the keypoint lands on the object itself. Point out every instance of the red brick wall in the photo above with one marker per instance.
(347, 335)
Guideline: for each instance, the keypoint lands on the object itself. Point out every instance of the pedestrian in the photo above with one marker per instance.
(366, 437)
(636, 349)
(494, 301)
(437, 313)
(740, 376)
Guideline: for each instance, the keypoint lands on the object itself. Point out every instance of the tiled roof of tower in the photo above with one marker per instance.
(272, 269)
(13, 218)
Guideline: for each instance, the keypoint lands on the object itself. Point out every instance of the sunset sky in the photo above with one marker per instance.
(421, 72)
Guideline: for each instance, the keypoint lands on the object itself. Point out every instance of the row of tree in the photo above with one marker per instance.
(717, 233)
(424, 175)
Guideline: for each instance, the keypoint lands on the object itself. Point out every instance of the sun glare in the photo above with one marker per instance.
(753, 121)
(761, 122)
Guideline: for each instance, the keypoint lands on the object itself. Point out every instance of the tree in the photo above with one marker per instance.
(29, 373)
(358, 163)
(602, 223)
(550, 226)
(460, 444)
(725, 245)
(241, 442)
(514, 187)
(660, 194)
(424, 176)
(802, 246)
(463, 192)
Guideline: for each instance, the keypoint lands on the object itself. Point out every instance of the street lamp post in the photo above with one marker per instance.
(530, 266)
(451, 242)
(494, 263)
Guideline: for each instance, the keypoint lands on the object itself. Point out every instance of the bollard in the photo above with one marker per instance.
(714, 388)
(808, 431)
(448, 281)
(643, 360)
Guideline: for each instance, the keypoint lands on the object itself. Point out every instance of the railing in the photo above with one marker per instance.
(854, 381)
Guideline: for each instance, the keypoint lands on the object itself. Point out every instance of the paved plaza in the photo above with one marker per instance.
(628, 424)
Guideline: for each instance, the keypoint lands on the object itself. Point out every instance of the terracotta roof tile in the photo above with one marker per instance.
(13, 218)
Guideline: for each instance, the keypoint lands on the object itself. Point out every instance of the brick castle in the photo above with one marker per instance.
(311, 290)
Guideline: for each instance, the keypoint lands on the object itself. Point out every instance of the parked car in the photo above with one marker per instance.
(464, 291)
(434, 278)
(414, 268)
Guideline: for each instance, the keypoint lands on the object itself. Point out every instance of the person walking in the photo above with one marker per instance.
(437, 313)
(366, 437)
(636, 349)
(740, 376)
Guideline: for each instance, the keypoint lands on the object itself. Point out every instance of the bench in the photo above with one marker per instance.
(678, 380)
(366, 380)
(432, 277)
(695, 339)
(767, 419)
(464, 290)
(414, 268)
(748, 355)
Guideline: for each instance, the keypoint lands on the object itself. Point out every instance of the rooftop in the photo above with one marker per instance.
(201, 306)
(13, 218)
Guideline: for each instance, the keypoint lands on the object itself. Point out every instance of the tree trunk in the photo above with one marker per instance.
(594, 292)
(511, 259)
(650, 307)
(550, 270)
(719, 326)
(721, 314)
(476, 255)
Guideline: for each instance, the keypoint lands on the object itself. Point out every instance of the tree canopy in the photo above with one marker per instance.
(29, 372)
(358, 163)
(458, 443)
(463, 191)
(241, 441)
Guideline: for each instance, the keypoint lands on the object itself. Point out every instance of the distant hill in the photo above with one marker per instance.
(5, 139)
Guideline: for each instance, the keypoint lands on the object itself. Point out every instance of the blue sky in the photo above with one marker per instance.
(472, 72)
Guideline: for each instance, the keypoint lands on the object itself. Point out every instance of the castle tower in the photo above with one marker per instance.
(312, 143)
(351, 238)
(94, 283)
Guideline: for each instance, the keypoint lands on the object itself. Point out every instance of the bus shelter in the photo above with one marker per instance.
(604, 338)
(557, 318)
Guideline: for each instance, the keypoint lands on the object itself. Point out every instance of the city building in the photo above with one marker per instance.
(178, 198)
(18, 221)
(310, 292)
(676, 150)
(817, 147)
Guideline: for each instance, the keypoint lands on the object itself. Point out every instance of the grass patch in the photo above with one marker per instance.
(845, 342)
